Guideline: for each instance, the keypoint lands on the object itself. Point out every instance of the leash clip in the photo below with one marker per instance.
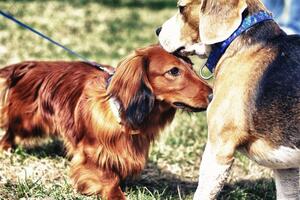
(202, 74)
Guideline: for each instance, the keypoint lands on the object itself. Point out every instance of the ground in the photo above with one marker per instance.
(106, 31)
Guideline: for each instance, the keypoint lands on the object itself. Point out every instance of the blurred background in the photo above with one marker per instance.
(105, 31)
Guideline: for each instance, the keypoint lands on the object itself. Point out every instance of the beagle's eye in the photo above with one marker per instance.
(181, 9)
(174, 71)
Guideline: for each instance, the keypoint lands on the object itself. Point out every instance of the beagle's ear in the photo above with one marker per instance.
(131, 87)
(219, 19)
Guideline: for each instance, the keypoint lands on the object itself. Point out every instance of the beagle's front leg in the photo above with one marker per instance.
(214, 170)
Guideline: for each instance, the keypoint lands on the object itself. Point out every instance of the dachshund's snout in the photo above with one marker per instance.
(158, 30)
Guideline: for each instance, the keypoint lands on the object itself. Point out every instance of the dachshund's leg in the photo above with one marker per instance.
(287, 184)
(214, 170)
(90, 180)
(7, 141)
(115, 193)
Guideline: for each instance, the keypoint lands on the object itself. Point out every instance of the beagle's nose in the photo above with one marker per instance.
(158, 31)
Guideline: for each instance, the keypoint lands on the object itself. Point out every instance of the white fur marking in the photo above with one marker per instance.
(199, 49)
(115, 108)
(281, 158)
(284, 157)
(212, 175)
(170, 34)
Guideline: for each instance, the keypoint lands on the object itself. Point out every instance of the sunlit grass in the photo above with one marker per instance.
(105, 32)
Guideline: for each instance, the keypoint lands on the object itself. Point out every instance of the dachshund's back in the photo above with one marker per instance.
(38, 96)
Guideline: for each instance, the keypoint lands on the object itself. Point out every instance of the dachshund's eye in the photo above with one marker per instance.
(181, 9)
(174, 71)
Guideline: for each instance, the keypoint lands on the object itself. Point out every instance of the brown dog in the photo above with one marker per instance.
(107, 123)
(256, 104)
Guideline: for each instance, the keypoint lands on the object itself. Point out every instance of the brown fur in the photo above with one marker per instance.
(239, 71)
(70, 99)
(256, 91)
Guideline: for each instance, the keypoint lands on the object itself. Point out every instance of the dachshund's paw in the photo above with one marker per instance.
(116, 194)
(5, 146)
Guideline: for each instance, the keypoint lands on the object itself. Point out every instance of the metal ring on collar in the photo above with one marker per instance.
(203, 76)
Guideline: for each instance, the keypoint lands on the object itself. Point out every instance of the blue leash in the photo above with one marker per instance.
(10, 17)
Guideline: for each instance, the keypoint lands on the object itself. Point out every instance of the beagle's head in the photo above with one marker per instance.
(201, 23)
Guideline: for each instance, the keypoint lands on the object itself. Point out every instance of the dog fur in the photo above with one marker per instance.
(256, 104)
(106, 123)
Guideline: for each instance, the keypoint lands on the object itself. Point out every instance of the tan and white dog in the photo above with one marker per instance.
(256, 103)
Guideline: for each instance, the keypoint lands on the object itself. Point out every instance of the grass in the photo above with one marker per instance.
(106, 31)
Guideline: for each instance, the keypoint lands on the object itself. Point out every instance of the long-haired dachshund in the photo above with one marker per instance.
(107, 122)
(256, 103)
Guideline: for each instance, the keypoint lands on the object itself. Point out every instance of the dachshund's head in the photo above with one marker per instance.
(152, 75)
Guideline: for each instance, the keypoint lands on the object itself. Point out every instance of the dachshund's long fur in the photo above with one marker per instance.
(75, 100)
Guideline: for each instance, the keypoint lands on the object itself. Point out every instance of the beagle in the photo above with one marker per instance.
(256, 103)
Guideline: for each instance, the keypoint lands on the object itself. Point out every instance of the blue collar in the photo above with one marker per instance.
(220, 48)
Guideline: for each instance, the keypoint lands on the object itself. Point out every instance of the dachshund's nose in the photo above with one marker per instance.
(210, 97)
(158, 31)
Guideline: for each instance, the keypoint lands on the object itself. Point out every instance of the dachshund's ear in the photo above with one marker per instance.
(140, 106)
(219, 19)
(131, 87)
